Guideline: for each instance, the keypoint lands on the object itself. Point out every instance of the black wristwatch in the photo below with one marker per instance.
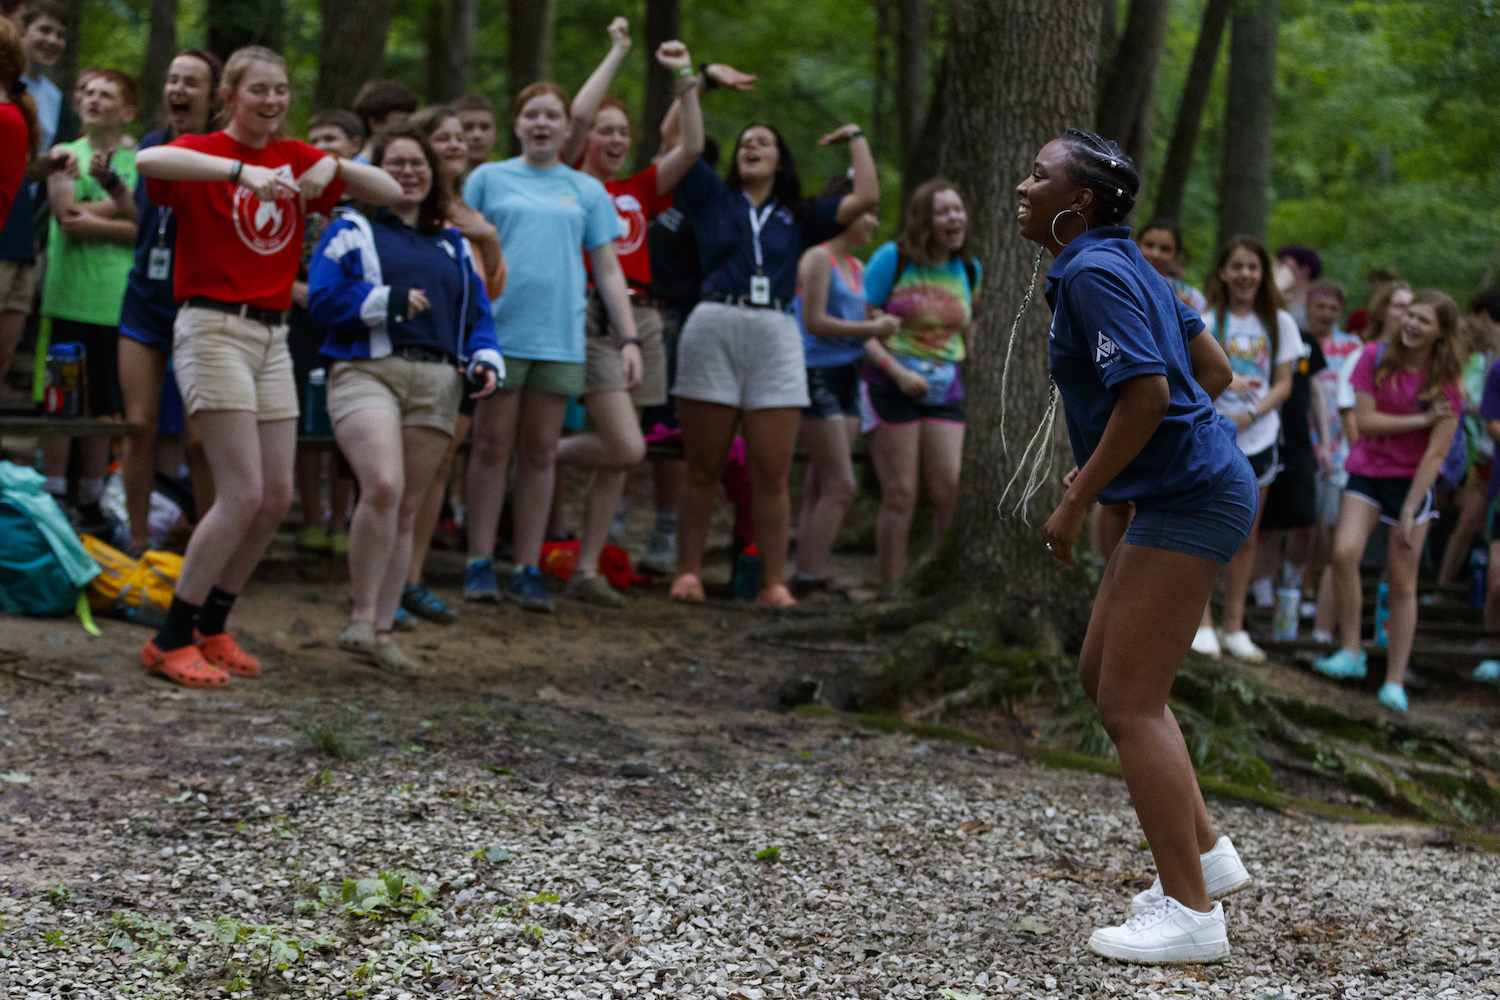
(626, 342)
(709, 83)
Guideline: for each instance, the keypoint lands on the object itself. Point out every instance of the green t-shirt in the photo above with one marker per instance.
(86, 276)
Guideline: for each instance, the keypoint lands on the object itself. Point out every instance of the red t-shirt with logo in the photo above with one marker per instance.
(637, 203)
(232, 246)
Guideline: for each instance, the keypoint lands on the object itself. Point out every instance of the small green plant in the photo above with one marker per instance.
(532, 931)
(494, 854)
(54, 937)
(323, 777)
(336, 737)
(129, 930)
(496, 769)
(266, 942)
(58, 894)
(770, 855)
(544, 897)
(389, 894)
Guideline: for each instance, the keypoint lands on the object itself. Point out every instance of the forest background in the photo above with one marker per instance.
(1386, 132)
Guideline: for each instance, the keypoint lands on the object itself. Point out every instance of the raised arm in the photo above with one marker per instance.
(677, 161)
(714, 75)
(866, 193)
(586, 101)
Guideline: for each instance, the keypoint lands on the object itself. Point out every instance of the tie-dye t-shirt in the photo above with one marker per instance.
(934, 304)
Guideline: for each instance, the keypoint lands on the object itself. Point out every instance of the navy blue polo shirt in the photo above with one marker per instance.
(149, 310)
(1114, 318)
(409, 259)
(721, 218)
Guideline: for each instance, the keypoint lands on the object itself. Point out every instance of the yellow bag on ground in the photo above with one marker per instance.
(139, 590)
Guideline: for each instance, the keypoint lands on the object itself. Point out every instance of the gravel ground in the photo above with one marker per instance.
(905, 868)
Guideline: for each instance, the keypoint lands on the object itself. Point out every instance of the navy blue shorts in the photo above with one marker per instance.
(834, 392)
(159, 340)
(1214, 531)
(170, 418)
(1389, 495)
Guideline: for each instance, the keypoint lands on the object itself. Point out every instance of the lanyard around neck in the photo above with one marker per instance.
(756, 223)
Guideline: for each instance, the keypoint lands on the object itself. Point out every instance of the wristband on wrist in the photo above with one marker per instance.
(234, 174)
(628, 341)
(709, 83)
(885, 363)
(684, 71)
(856, 134)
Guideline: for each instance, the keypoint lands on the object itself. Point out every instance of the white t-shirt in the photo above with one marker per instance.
(1249, 349)
(1346, 387)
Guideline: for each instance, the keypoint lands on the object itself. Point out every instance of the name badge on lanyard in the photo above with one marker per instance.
(760, 285)
(159, 262)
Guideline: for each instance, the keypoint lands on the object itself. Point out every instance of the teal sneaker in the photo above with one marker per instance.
(1393, 697)
(1342, 665)
(423, 603)
(526, 590)
(1488, 672)
(405, 621)
(479, 582)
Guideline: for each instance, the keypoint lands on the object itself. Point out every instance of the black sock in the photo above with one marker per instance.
(177, 631)
(215, 610)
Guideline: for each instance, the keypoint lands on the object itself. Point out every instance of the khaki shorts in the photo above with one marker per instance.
(17, 286)
(750, 359)
(226, 362)
(421, 393)
(561, 378)
(606, 373)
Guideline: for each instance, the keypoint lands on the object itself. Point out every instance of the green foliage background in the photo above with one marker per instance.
(1388, 113)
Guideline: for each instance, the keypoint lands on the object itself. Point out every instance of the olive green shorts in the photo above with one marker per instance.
(563, 378)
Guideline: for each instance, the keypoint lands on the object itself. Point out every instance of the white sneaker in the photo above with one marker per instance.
(1207, 642)
(1224, 874)
(1239, 646)
(1167, 933)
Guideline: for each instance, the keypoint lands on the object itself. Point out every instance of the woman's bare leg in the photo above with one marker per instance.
(1357, 520)
(372, 439)
(707, 431)
(495, 420)
(897, 452)
(537, 433)
(1402, 562)
(770, 442)
(142, 369)
(610, 451)
(829, 491)
(1237, 575)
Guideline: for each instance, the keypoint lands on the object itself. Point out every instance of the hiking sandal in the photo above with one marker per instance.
(184, 666)
(223, 652)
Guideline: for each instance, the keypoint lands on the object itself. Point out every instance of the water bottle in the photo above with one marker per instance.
(747, 574)
(1479, 577)
(1382, 611)
(315, 422)
(1288, 604)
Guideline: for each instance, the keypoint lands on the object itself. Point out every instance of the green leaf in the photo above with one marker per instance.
(1031, 925)
(16, 778)
(496, 854)
(770, 854)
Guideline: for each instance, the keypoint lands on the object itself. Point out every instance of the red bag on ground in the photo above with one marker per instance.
(561, 560)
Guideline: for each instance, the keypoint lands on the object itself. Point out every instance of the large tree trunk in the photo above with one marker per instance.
(1023, 71)
(66, 67)
(1250, 113)
(663, 24)
(451, 26)
(924, 166)
(880, 100)
(1174, 174)
(436, 64)
(530, 48)
(1127, 95)
(234, 24)
(351, 49)
(911, 77)
(161, 45)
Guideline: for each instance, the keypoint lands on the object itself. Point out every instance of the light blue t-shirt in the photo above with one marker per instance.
(546, 218)
(48, 98)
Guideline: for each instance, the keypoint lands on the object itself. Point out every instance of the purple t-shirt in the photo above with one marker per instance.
(1393, 456)
(1489, 409)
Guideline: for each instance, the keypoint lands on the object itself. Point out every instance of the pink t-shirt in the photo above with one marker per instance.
(1392, 456)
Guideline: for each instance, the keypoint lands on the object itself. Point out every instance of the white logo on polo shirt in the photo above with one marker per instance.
(1105, 350)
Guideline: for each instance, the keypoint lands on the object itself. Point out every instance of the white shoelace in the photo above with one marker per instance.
(1157, 912)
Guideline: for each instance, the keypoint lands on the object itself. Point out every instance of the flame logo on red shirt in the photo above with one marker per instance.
(265, 226)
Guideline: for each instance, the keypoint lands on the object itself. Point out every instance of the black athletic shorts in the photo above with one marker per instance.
(834, 391)
(1292, 501)
(1390, 496)
(101, 345)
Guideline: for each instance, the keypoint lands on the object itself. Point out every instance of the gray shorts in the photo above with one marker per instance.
(750, 359)
(1330, 493)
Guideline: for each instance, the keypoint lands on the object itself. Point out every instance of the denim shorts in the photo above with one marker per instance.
(1215, 530)
(834, 391)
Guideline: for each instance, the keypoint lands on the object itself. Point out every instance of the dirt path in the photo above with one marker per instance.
(617, 775)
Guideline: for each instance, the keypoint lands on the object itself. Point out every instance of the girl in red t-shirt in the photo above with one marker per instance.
(623, 377)
(20, 140)
(240, 196)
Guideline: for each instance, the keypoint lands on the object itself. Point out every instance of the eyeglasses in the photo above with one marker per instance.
(404, 164)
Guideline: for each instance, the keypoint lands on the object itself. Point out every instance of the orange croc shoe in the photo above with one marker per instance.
(185, 666)
(223, 652)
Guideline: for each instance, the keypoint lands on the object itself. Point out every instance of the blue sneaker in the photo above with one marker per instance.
(1488, 672)
(405, 621)
(1393, 697)
(526, 589)
(423, 603)
(1342, 664)
(479, 582)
